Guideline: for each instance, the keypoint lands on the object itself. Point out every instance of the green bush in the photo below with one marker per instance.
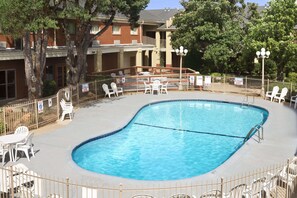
(49, 88)
(292, 77)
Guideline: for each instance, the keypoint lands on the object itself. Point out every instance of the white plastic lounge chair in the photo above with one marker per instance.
(67, 108)
(89, 192)
(147, 88)
(281, 97)
(293, 100)
(207, 81)
(156, 86)
(274, 187)
(237, 191)
(25, 146)
(21, 129)
(4, 149)
(142, 196)
(272, 94)
(255, 189)
(212, 194)
(116, 89)
(107, 91)
(164, 88)
(182, 196)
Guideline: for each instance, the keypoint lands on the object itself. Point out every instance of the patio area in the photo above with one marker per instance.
(54, 143)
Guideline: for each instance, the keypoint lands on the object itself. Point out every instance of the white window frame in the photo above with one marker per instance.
(134, 31)
(118, 31)
(95, 29)
(6, 83)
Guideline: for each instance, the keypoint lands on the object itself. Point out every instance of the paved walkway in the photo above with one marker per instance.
(55, 142)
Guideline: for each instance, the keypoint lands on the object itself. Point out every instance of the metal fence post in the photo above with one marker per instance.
(67, 187)
(4, 120)
(222, 186)
(77, 93)
(224, 82)
(267, 89)
(11, 181)
(96, 89)
(287, 186)
(246, 81)
(36, 112)
(121, 190)
(58, 108)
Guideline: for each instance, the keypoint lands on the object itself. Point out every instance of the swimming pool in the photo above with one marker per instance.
(171, 140)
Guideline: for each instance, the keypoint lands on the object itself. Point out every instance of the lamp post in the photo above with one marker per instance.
(181, 52)
(263, 54)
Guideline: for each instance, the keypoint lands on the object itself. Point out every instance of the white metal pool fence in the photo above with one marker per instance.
(40, 112)
(278, 181)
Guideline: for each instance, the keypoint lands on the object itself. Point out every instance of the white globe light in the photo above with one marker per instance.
(181, 49)
(258, 53)
(185, 51)
(177, 51)
(263, 49)
(267, 53)
(262, 53)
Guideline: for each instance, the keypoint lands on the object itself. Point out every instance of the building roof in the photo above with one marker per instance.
(158, 16)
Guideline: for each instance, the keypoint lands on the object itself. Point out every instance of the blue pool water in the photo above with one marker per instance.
(171, 140)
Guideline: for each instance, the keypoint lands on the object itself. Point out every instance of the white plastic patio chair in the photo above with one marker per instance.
(212, 194)
(116, 89)
(164, 88)
(293, 100)
(237, 191)
(4, 149)
(147, 88)
(281, 96)
(25, 146)
(272, 94)
(156, 86)
(21, 129)
(256, 187)
(107, 91)
(67, 108)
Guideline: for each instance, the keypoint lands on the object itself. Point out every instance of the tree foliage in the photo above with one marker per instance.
(27, 19)
(83, 12)
(275, 31)
(214, 28)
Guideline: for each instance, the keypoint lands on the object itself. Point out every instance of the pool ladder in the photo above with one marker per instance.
(257, 128)
(245, 100)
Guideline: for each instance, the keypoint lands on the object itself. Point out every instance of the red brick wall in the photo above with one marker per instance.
(125, 37)
(8, 39)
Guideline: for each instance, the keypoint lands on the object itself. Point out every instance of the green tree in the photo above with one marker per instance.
(214, 28)
(82, 13)
(275, 31)
(29, 19)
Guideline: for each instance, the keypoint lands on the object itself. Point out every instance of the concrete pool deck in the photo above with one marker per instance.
(53, 144)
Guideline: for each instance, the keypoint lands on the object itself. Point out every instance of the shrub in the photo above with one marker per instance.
(49, 88)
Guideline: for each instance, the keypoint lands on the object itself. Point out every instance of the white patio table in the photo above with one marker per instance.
(11, 140)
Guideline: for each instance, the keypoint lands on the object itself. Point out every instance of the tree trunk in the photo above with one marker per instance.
(29, 72)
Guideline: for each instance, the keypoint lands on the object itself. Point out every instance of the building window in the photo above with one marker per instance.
(71, 28)
(134, 31)
(7, 84)
(95, 29)
(116, 29)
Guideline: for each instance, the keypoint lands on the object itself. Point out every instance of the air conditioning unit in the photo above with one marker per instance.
(3, 44)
